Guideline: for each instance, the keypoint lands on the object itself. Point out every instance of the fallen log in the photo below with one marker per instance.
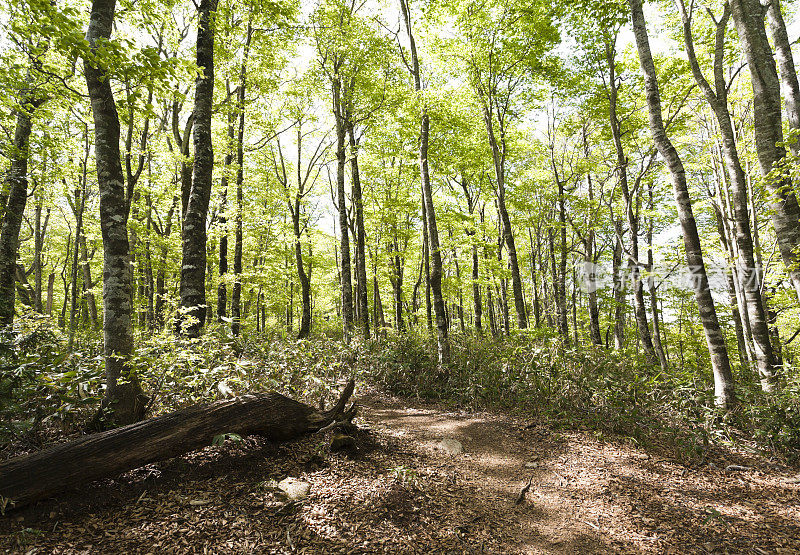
(271, 415)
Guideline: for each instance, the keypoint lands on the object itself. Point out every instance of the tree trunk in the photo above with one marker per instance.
(78, 207)
(717, 98)
(236, 295)
(788, 73)
(123, 398)
(360, 234)
(631, 199)
(619, 286)
(498, 155)
(39, 234)
(591, 282)
(561, 274)
(88, 284)
(271, 415)
(222, 288)
(748, 16)
(193, 266)
(435, 278)
(651, 282)
(51, 280)
(723, 377)
(346, 281)
(426, 263)
(17, 186)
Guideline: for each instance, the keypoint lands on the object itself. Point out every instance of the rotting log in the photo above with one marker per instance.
(106, 454)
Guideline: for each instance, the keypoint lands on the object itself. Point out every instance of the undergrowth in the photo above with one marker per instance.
(46, 392)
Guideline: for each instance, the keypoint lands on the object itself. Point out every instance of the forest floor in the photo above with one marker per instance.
(400, 492)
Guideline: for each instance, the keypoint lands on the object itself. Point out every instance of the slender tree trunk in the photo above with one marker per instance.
(748, 16)
(222, 288)
(79, 206)
(397, 285)
(631, 199)
(651, 283)
(591, 282)
(360, 234)
(498, 156)
(717, 98)
(305, 282)
(723, 377)
(476, 291)
(236, 294)
(619, 286)
(344, 239)
(51, 279)
(39, 234)
(193, 268)
(435, 279)
(788, 72)
(65, 282)
(16, 183)
(561, 291)
(123, 395)
(88, 283)
(426, 264)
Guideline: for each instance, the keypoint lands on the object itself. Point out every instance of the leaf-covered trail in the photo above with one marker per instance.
(401, 493)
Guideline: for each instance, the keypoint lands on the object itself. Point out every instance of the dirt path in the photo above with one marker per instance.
(401, 493)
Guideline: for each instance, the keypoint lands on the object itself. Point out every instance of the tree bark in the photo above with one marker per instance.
(123, 398)
(748, 16)
(360, 234)
(236, 295)
(498, 156)
(39, 234)
(193, 266)
(435, 280)
(346, 281)
(651, 282)
(717, 98)
(723, 377)
(788, 72)
(619, 285)
(17, 185)
(88, 283)
(271, 415)
(631, 198)
(222, 288)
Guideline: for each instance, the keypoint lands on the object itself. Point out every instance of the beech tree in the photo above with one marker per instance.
(193, 266)
(123, 399)
(723, 377)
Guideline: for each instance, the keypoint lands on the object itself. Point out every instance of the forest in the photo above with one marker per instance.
(383, 276)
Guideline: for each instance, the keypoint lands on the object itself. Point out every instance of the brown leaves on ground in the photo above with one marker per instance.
(399, 493)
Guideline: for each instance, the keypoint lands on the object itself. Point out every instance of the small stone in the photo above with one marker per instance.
(451, 446)
(294, 489)
(532, 464)
(737, 468)
(342, 441)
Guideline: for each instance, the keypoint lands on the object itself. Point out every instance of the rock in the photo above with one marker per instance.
(342, 441)
(451, 446)
(532, 464)
(736, 467)
(294, 489)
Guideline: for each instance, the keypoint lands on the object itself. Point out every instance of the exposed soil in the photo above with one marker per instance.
(400, 493)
